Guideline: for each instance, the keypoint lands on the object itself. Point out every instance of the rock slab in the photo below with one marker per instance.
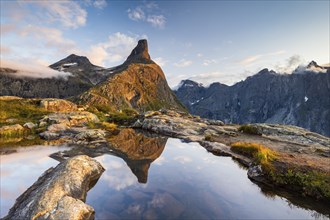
(60, 192)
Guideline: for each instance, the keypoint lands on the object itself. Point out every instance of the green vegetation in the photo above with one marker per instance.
(249, 129)
(208, 137)
(102, 125)
(309, 182)
(123, 117)
(20, 111)
(312, 183)
(261, 154)
(21, 141)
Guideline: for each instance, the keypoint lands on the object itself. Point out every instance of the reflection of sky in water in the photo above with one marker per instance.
(185, 182)
(20, 170)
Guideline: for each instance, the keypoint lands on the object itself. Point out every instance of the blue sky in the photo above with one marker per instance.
(206, 41)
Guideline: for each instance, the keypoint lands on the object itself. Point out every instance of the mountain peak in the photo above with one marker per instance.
(140, 53)
(313, 64)
(71, 60)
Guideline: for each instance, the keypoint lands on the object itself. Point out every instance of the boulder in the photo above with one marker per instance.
(29, 125)
(60, 192)
(58, 105)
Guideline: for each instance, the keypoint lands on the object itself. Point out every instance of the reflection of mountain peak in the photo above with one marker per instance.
(140, 169)
(138, 150)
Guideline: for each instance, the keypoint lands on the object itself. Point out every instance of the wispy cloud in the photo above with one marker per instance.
(157, 20)
(100, 4)
(32, 68)
(208, 62)
(69, 13)
(149, 13)
(249, 60)
(160, 61)
(252, 59)
(136, 14)
(183, 63)
(114, 50)
(289, 65)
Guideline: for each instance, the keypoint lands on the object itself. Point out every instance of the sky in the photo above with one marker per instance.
(205, 41)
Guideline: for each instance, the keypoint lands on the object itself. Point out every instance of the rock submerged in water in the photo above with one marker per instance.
(60, 192)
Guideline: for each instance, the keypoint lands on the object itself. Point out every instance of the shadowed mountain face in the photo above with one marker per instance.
(27, 87)
(300, 99)
(83, 76)
(138, 83)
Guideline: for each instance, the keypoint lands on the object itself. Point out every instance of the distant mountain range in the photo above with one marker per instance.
(301, 98)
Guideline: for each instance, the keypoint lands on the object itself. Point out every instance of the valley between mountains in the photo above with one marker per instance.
(275, 126)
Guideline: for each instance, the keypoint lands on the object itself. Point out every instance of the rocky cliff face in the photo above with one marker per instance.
(139, 83)
(297, 99)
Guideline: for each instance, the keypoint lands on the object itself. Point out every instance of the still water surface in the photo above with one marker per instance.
(157, 178)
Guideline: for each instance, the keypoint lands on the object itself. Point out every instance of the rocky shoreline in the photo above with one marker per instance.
(297, 148)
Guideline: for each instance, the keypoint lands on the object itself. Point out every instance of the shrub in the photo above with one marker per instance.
(249, 129)
(208, 137)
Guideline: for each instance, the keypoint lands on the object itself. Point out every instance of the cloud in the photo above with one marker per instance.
(160, 61)
(32, 68)
(209, 61)
(136, 14)
(183, 63)
(148, 12)
(68, 13)
(48, 38)
(4, 50)
(290, 64)
(113, 51)
(250, 60)
(199, 55)
(100, 4)
(7, 28)
(157, 20)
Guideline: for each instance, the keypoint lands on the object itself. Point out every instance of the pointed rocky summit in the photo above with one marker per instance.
(140, 53)
(139, 83)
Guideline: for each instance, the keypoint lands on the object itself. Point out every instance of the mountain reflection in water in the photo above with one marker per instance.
(148, 176)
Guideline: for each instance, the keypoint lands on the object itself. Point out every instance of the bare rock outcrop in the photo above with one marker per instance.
(60, 192)
(58, 105)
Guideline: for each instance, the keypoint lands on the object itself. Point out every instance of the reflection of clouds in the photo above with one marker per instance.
(135, 209)
(183, 159)
(158, 201)
(159, 161)
(21, 169)
(117, 174)
(209, 160)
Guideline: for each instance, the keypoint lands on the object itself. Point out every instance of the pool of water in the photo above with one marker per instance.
(150, 177)
(21, 169)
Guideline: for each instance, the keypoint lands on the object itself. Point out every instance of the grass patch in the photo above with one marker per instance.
(261, 154)
(21, 111)
(123, 117)
(111, 127)
(249, 129)
(311, 183)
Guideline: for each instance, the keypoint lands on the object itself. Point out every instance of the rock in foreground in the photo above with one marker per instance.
(60, 192)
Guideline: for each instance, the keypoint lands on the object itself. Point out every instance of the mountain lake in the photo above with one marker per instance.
(161, 178)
